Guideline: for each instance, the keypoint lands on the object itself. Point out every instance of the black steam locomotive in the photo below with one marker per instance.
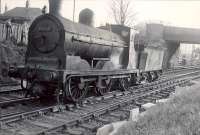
(71, 59)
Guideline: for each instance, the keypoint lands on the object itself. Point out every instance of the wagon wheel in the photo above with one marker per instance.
(156, 76)
(149, 78)
(105, 88)
(124, 84)
(133, 80)
(76, 90)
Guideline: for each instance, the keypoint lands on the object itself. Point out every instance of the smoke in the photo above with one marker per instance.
(55, 6)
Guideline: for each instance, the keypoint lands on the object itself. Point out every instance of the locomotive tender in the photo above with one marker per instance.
(71, 59)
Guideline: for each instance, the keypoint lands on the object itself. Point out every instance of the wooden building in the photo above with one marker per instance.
(14, 23)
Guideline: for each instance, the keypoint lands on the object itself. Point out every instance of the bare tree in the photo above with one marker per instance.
(122, 13)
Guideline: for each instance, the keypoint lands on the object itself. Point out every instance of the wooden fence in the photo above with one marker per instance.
(18, 32)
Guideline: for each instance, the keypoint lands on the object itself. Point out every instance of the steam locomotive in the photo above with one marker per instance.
(71, 59)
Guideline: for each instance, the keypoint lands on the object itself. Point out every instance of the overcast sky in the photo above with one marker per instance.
(173, 12)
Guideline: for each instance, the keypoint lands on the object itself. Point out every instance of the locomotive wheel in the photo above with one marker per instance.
(105, 88)
(76, 91)
(124, 84)
(156, 76)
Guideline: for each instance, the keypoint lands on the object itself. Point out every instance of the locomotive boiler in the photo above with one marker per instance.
(59, 39)
(70, 59)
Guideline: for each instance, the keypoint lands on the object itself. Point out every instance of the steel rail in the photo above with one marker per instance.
(14, 101)
(11, 91)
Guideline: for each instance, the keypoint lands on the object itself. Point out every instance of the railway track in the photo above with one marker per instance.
(9, 87)
(12, 95)
(86, 117)
(8, 97)
(8, 83)
(179, 70)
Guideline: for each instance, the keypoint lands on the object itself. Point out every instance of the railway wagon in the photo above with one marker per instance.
(70, 59)
(150, 61)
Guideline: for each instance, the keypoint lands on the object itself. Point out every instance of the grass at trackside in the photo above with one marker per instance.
(179, 116)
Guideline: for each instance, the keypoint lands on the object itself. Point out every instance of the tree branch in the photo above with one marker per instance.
(121, 12)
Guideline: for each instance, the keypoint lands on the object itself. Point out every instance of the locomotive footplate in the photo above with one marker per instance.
(101, 72)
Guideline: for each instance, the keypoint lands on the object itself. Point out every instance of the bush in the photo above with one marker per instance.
(179, 116)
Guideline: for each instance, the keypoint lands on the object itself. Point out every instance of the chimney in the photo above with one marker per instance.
(27, 3)
(55, 7)
(6, 8)
(0, 6)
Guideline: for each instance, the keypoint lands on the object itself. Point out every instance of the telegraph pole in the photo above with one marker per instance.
(0, 6)
(74, 10)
